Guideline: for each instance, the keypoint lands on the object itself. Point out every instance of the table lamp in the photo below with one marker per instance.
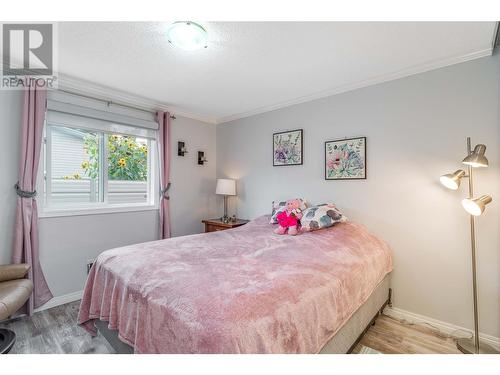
(225, 187)
(475, 207)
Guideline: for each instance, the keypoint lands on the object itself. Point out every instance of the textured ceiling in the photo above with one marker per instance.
(252, 67)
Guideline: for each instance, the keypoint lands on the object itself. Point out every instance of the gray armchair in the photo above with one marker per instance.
(15, 290)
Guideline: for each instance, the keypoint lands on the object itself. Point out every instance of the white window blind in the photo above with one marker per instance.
(76, 116)
(97, 158)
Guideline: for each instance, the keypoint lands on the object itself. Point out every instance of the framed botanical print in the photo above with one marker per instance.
(345, 159)
(288, 148)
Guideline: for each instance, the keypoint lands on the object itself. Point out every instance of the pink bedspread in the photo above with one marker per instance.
(244, 290)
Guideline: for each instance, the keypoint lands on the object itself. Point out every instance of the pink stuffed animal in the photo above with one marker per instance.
(289, 218)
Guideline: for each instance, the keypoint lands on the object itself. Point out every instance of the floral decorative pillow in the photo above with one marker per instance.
(321, 216)
(279, 206)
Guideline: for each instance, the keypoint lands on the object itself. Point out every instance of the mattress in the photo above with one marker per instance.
(244, 290)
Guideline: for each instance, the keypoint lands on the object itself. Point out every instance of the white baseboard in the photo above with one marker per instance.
(61, 300)
(443, 327)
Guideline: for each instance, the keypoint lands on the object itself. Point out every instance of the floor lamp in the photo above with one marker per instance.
(475, 207)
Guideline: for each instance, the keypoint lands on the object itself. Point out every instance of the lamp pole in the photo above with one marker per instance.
(225, 218)
(473, 248)
(466, 345)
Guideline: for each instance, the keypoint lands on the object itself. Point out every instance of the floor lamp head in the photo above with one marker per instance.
(477, 159)
(452, 180)
(476, 206)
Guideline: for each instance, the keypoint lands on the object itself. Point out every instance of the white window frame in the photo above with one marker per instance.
(78, 209)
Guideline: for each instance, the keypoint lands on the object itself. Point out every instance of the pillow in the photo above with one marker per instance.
(321, 216)
(279, 206)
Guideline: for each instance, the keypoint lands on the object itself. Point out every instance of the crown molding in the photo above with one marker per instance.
(417, 69)
(121, 97)
(118, 97)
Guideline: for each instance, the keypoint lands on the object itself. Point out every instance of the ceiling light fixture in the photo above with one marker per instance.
(187, 35)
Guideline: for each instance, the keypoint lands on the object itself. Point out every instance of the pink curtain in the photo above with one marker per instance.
(25, 247)
(163, 119)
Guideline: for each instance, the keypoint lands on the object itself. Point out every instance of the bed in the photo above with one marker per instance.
(244, 290)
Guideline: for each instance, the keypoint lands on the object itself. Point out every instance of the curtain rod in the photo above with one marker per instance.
(109, 102)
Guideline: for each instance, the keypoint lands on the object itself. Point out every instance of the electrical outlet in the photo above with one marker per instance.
(90, 263)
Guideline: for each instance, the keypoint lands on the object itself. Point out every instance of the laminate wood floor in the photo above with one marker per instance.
(55, 331)
(390, 336)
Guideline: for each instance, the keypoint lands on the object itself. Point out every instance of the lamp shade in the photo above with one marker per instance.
(476, 206)
(477, 159)
(225, 187)
(452, 180)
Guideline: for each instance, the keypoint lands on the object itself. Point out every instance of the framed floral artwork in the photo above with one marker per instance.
(288, 148)
(345, 159)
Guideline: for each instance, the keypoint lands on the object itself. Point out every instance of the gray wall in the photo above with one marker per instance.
(193, 186)
(416, 129)
(66, 243)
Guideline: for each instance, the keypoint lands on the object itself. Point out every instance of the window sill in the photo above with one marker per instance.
(82, 211)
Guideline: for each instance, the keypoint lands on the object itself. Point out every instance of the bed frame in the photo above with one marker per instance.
(351, 333)
(344, 341)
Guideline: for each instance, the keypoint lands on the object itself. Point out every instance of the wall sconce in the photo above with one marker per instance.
(181, 148)
(201, 158)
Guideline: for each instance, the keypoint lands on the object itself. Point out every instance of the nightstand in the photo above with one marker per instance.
(213, 225)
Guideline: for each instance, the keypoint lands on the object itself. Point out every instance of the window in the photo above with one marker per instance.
(93, 165)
